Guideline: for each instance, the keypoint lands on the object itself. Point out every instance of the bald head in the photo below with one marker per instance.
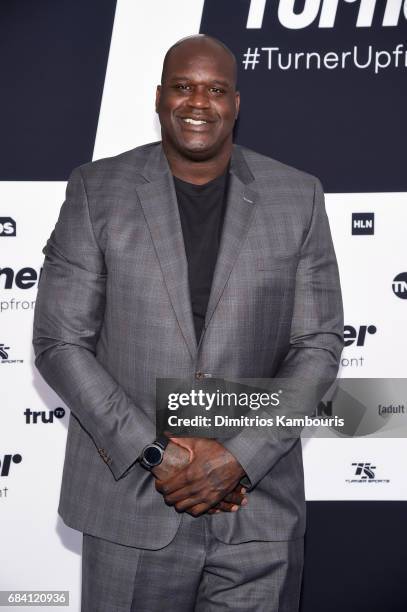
(200, 44)
(197, 102)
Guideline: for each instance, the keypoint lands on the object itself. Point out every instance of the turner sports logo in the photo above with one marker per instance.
(364, 472)
(325, 13)
(4, 355)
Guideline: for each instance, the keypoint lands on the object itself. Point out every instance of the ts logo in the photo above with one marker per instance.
(364, 470)
(3, 351)
(6, 463)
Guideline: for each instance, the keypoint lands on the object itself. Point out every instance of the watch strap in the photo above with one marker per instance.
(162, 441)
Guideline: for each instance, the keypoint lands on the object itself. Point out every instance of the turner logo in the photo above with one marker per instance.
(7, 227)
(291, 18)
(399, 285)
(362, 224)
(7, 461)
(34, 417)
(25, 278)
(358, 335)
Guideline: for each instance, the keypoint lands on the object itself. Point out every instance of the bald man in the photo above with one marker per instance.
(189, 258)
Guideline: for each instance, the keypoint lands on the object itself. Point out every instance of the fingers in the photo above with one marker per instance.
(179, 481)
(223, 506)
(185, 493)
(231, 502)
(198, 509)
(235, 498)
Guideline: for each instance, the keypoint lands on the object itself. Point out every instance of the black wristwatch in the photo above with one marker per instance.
(152, 454)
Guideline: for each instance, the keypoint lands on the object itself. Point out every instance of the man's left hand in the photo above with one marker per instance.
(211, 474)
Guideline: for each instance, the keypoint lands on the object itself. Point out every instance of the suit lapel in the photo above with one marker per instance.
(239, 214)
(160, 207)
(159, 202)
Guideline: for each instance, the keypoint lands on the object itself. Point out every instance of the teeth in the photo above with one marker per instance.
(193, 121)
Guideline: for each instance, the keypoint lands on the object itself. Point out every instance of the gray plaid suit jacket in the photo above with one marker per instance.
(113, 313)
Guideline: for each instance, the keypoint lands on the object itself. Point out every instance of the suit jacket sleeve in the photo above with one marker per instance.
(316, 343)
(68, 317)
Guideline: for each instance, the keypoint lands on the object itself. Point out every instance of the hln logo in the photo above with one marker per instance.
(33, 417)
(362, 223)
(6, 463)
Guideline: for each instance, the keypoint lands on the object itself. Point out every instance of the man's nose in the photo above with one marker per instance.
(199, 98)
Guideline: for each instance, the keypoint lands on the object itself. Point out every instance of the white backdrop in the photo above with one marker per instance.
(39, 551)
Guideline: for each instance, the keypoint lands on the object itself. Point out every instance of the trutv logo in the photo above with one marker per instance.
(6, 462)
(33, 417)
(328, 10)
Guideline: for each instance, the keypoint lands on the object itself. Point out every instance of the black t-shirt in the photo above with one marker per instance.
(202, 210)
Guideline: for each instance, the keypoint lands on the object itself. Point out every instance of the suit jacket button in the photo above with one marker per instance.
(199, 375)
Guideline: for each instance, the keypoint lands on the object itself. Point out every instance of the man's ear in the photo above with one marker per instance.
(237, 103)
(157, 97)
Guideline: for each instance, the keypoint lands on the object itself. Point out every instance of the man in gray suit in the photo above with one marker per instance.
(189, 258)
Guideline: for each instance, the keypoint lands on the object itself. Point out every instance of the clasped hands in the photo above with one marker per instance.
(199, 475)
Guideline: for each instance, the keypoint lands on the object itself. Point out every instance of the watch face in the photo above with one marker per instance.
(152, 455)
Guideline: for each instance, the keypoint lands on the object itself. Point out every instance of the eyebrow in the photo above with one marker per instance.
(188, 78)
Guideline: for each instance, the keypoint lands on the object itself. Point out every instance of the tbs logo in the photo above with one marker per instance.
(7, 227)
(6, 462)
(362, 224)
(357, 334)
(400, 285)
(34, 417)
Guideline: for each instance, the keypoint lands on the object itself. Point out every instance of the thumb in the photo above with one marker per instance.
(187, 443)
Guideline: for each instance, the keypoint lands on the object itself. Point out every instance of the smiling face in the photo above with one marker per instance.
(197, 102)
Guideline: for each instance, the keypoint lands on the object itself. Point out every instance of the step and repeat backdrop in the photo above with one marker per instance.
(324, 89)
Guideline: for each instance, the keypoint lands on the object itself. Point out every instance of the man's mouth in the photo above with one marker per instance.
(192, 121)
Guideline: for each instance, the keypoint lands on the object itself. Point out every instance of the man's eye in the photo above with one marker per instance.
(182, 87)
(217, 90)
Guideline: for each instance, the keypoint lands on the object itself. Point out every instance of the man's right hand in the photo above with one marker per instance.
(176, 458)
